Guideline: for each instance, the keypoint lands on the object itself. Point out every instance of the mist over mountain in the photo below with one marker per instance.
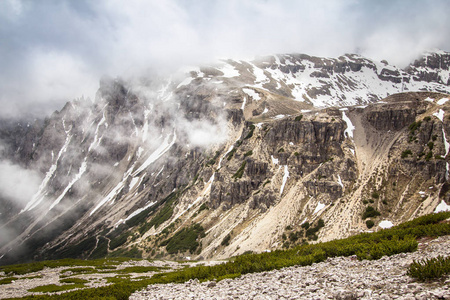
(242, 155)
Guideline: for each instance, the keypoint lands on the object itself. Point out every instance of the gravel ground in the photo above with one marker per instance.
(336, 278)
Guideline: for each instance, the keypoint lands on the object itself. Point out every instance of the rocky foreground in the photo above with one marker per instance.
(335, 278)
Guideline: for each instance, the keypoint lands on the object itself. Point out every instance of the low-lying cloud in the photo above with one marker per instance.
(55, 51)
(17, 183)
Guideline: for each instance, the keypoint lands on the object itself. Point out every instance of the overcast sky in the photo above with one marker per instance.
(52, 51)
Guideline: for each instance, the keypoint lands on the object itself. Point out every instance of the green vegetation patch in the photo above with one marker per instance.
(81, 270)
(298, 118)
(21, 269)
(7, 280)
(226, 240)
(74, 280)
(428, 269)
(369, 224)
(231, 153)
(163, 215)
(250, 133)
(132, 252)
(406, 153)
(248, 153)
(138, 269)
(185, 239)
(414, 126)
(53, 288)
(370, 212)
(240, 172)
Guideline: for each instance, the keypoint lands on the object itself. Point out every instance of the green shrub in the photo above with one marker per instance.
(226, 240)
(430, 145)
(203, 207)
(293, 236)
(433, 268)
(370, 212)
(406, 153)
(250, 133)
(280, 150)
(414, 126)
(231, 153)
(427, 118)
(369, 224)
(298, 118)
(248, 153)
(74, 280)
(240, 171)
(375, 195)
(429, 156)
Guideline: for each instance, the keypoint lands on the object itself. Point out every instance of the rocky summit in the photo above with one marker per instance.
(223, 159)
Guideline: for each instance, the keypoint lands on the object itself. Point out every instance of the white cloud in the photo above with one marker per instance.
(17, 183)
(52, 52)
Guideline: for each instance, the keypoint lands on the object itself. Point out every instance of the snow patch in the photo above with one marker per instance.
(186, 81)
(41, 193)
(285, 177)
(229, 71)
(340, 181)
(429, 99)
(442, 207)
(319, 207)
(163, 148)
(274, 160)
(442, 101)
(349, 123)
(243, 104)
(266, 110)
(81, 171)
(439, 115)
(446, 143)
(385, 224)
(133, 182)
(255, 96)
(139, 210)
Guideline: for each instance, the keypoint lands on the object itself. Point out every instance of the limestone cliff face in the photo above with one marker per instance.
(257, 157)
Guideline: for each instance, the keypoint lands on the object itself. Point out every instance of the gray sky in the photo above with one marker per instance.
(52, 51)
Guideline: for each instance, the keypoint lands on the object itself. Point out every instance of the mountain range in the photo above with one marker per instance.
(237, 156)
